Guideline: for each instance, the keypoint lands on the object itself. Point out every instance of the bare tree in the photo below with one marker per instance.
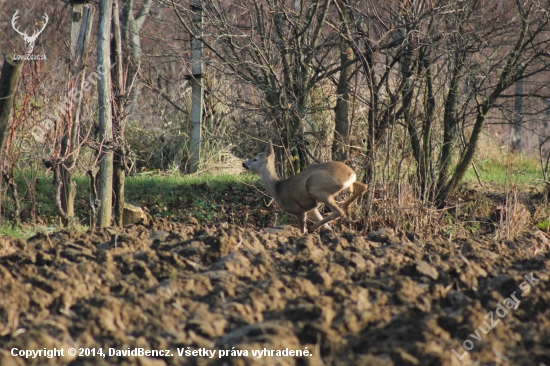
(64, 160)
(522, 46)
(132, 24)
(105, 188)
(343, 91)
(446, 57)
(120, 107)
(11, 71)
(275, 48)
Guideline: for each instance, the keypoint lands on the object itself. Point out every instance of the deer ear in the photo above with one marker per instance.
(269, 149)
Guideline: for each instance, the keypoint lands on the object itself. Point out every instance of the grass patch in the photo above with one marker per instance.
(208, 198)
(15, 232)
(201, 196)
(543, 225)
(507, 168)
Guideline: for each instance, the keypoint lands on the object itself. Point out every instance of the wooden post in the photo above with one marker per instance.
(196, 86)
(84, 37)
(75, 26)
(105, 114)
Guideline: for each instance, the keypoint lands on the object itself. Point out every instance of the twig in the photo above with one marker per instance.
(477, 175)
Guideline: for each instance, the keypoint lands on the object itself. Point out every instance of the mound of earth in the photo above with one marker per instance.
(242, 296)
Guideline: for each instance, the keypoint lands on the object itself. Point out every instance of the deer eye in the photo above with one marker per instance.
(254, 159)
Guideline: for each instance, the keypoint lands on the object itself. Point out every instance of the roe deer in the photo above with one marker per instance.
(301, 194)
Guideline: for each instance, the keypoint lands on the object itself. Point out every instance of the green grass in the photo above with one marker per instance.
(15, 232)
(543, 225)
(208, 198)
(506, 169)
(174, 195)
(26, 231)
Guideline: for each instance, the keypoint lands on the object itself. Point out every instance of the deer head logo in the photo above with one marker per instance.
(29, 40)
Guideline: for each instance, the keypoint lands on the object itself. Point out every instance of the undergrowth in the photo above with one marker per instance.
(511, 187)
(208, 198)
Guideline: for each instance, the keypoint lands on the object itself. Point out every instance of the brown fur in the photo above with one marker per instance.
(301, 194)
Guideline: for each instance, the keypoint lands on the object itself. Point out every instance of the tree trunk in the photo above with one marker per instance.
(196, 87)
(468, 155)
(518, 107)
(131, 27)
(120, 150)
(341, 110)
(370, 166)
(427, 131)
(11, 71)
(407, 91)
(105, 115)
(81, 26)
(450, 122)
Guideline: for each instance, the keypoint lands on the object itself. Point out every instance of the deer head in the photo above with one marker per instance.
(29, 40)
(261, 161)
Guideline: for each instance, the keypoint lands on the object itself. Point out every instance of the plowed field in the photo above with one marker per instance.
(248, 296)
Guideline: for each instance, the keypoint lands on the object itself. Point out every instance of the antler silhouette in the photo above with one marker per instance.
(13, 19)
(29, 40)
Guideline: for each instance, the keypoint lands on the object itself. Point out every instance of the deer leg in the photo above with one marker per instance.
(315, 216)
(359, 189)
(301, 222)
(336, 213)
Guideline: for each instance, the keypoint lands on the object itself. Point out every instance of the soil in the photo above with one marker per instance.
(347, 298)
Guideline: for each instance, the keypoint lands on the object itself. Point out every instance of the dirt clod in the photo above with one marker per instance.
(349, 299)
